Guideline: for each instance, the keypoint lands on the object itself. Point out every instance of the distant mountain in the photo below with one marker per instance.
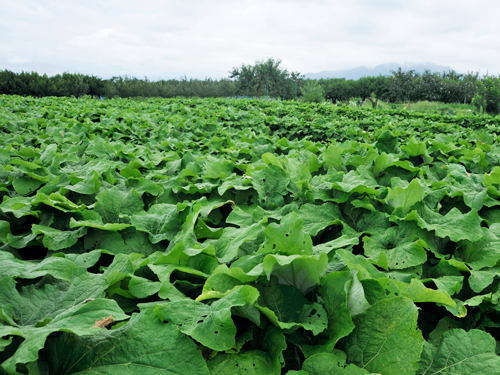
(383, 69)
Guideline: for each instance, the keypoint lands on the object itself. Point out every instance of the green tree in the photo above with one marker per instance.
(312, 92)
(265, 78)
(487, 96)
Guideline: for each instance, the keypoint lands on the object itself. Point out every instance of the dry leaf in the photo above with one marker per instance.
(104, 322)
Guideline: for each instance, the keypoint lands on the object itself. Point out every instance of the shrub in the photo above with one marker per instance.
(312, 92)
(487, 96)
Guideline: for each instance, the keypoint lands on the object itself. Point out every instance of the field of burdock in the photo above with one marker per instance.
(219, 236)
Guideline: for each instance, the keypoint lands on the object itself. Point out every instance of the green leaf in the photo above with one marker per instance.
(333, 156)
(115, 205)
(92, 219)
(414, 148)
(400, 246)
(26, 185)
(359, 181)
(331, 364)
(287, 308)
(58, 201)
(318, 217)
(104, 239)
(270, 183)
(479, 280)
(460, 352)
(80, 319)
(450, 284)
(142, 288)
(18, 206)
(386, 339)
(232, 238)
(454, 224)
(360, 263)
(60, 268)
(253, 362)
(143, 346)
(417, 292)
(492, 178)
(462, 183)
(32, 304)
(301, 271)
(161, 222)
(387, 142)
(55, 239)
(482, 253)
(211, 325)
(287, 238)
(89, 185)
(48, 155)
(356, 301)
(406, 197)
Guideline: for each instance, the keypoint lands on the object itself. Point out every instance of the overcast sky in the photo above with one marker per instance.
(198, 38)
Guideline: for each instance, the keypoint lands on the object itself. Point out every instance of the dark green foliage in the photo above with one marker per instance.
(487, 97)
(265, 78)
(410, 86)
(66, 84)
(131, 87)
(77, 85)
(312, 92)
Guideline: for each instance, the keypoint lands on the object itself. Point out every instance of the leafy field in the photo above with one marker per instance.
(246, 237)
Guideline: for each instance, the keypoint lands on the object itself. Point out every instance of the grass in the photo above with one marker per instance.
(430, 107)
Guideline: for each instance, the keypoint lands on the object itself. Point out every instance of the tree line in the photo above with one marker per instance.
(269, 79)
(78, 85)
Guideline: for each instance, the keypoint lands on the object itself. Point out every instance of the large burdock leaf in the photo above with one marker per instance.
(462, 183)
(57, 201)
(460, 352)
(287, 308)
(114, 204)
(414, 148)
(92, 219)
(26, 185)
(211, 325)
(18, 206)
(479, 280)
(331, 364)
(60, 268)
(482, 253)
(334, 287)
(454, 224)
(387, 142)
(270, 183)
(253, 362)
(316, 218)
(301, 271)
(386, 339)
(55, 239)
(417, 292)
(32, 304)
(81, 319)
(359, 181)
(232, 238)
(405, 197)
(143, 346)
(288, 237)
(161, 222)
(399, 244)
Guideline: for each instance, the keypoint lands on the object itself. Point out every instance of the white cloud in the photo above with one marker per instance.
(200, 38)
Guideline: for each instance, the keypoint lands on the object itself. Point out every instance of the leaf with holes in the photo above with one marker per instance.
(288, 237)
(211, 325)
